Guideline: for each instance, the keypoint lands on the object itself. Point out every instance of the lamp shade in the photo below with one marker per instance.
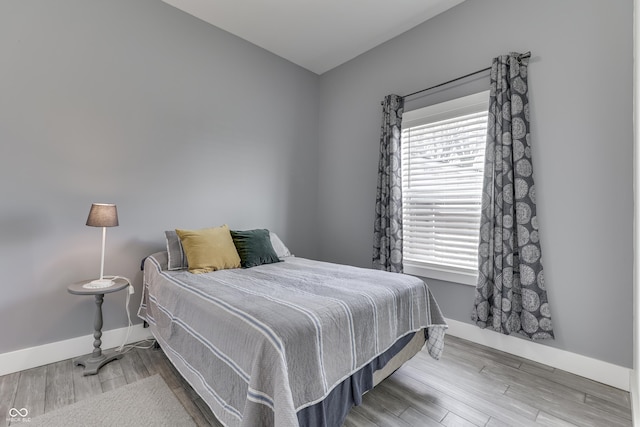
(103, 215)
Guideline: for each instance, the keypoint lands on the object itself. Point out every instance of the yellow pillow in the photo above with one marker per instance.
(209, 249)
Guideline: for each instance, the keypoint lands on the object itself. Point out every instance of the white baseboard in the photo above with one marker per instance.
(593, 369)
(596, 370)
(28, 358)
(635, 398)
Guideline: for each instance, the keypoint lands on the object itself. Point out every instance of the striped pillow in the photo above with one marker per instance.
(176, 255)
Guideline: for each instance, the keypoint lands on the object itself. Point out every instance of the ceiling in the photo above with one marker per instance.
(315, 34)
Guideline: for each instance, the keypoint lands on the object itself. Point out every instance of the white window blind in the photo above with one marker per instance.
(442, 170)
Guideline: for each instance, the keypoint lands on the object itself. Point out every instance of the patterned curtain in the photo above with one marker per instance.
(387, 234)
(510, 294)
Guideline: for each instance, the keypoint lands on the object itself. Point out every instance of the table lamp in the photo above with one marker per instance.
(102, 215)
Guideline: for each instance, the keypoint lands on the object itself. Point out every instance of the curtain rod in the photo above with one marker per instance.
(522, 56)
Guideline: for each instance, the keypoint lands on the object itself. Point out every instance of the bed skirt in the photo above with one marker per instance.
(333, 410)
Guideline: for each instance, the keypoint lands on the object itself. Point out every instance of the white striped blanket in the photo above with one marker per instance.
(260, 344)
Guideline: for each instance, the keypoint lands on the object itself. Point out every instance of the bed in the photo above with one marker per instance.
(292, 343)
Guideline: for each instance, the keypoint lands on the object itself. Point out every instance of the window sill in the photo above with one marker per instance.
(469, 279)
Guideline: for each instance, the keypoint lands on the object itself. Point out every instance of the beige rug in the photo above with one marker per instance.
(148, 402)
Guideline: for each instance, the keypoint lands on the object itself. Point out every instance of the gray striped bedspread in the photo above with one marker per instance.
(260, 344)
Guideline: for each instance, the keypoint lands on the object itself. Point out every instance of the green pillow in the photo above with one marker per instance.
(254, 247)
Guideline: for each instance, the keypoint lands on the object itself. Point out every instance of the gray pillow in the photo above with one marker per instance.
(176, 256)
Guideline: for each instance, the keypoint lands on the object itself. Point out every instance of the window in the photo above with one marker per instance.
(443, 149)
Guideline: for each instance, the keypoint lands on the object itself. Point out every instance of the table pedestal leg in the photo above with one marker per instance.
(96, 360)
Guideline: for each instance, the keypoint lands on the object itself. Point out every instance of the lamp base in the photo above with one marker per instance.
(93, 364)
(99, 283)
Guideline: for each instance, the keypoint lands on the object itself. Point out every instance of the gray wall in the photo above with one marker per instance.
(581, 108)
(136, 103)
(184, 125)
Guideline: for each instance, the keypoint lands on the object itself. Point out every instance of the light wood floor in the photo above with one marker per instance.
(470, 386)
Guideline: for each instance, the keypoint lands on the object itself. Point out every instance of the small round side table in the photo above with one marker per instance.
(96, 360)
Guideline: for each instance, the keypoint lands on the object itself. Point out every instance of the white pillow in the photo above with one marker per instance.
(278, 246)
